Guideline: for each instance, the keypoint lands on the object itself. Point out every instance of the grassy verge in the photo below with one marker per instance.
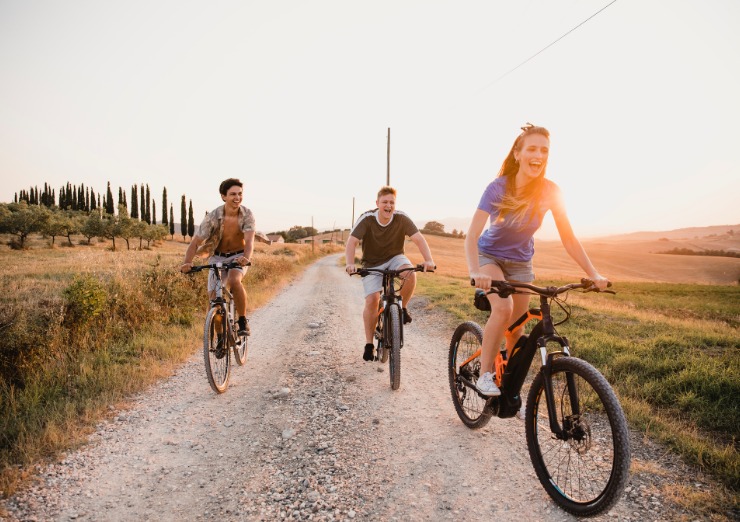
(85, 327)
(670, 352)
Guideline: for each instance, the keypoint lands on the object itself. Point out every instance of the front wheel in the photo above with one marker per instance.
(393, 345)
(216, 350)
(586, 469)
(463, 371)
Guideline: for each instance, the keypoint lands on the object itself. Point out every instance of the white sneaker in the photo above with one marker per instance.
(522, 412)
(486, 386)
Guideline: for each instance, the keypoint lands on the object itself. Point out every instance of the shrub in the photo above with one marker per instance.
(85, 299)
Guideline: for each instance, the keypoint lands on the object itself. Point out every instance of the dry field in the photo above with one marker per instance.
(618, 259)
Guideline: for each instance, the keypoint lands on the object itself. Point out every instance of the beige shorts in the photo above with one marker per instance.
(221, 259)
(374, 282)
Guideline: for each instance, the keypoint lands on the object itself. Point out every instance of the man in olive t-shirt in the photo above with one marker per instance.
(383, 234)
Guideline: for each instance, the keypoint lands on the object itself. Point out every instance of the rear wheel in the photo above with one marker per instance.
(587, 468)
(240, 350)
(393, 340)
(463, 371)
(216, 350)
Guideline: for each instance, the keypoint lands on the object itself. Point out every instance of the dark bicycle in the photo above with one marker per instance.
(389, 330)
(576, 431)
(220, 331)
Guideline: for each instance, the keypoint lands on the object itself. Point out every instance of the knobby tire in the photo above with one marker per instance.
(585, 474)
(470, 407)
(393, 336)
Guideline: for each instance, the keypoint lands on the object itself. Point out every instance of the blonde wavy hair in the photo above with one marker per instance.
(518, 205)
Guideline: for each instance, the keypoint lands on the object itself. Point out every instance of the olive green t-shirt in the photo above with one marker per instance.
(382, 243)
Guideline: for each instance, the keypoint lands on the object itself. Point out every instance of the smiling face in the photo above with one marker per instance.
(532, 157)
(233, 197)
(386, 207)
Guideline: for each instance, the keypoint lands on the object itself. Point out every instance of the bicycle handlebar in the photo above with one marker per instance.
(226, 266)
(506, 288)
(367, 271)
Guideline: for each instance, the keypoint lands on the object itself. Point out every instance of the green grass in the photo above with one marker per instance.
(671, 352)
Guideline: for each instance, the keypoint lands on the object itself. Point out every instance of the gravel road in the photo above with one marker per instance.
(308, 431)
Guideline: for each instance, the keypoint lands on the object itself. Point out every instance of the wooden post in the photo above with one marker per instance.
(388, 161)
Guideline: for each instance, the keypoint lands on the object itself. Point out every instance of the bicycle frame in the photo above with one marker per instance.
(511, 369)
(221, 302)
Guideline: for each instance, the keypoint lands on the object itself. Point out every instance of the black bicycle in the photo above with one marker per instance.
(220, 331)
(576, 431)
(389, 330)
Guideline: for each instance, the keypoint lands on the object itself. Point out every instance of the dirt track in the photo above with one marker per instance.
(307, 430)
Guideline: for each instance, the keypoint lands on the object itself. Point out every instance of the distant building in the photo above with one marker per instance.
(335, 238)
(275, 238)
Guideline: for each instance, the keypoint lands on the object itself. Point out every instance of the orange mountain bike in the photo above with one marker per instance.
(576, 431)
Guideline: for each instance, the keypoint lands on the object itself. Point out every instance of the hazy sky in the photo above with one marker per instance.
(295, 98)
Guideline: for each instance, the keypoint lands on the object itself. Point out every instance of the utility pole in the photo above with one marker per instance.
(388, 161)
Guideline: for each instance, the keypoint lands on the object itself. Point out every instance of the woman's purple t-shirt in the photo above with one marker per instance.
(504, 239)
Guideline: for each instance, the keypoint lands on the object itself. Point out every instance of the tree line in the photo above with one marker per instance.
(436, 228)
(79, 210)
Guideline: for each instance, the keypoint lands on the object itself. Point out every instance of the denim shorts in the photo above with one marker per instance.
(374, 282)
(221, 259)
(520, 271)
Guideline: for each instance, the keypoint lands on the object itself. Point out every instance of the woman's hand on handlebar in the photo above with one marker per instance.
(600, 282)
(185, 267)
(428, 266)
(350, 269)
(481, 280)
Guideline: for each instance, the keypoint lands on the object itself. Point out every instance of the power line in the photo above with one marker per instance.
(547, 47)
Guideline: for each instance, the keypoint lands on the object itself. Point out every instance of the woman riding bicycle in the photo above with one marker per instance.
(516, 203)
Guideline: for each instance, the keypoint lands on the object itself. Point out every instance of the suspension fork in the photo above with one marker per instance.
(549, 335)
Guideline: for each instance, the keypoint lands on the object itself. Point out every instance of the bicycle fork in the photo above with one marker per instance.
(560, 432)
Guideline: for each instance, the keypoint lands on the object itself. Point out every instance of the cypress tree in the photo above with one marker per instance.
(154, 213)
(148, 205)
(92, 200)
(109, 201)
(183, 218)
(120, 196)
(172, 222)
(142, 204)
(191, 221)
(164, 206)
(134, 202)
(68, 197)
(73, 206)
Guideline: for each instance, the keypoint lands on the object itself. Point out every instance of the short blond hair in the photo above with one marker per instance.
(384, 191)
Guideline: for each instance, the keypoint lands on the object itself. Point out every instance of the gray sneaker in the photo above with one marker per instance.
(486, 386)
